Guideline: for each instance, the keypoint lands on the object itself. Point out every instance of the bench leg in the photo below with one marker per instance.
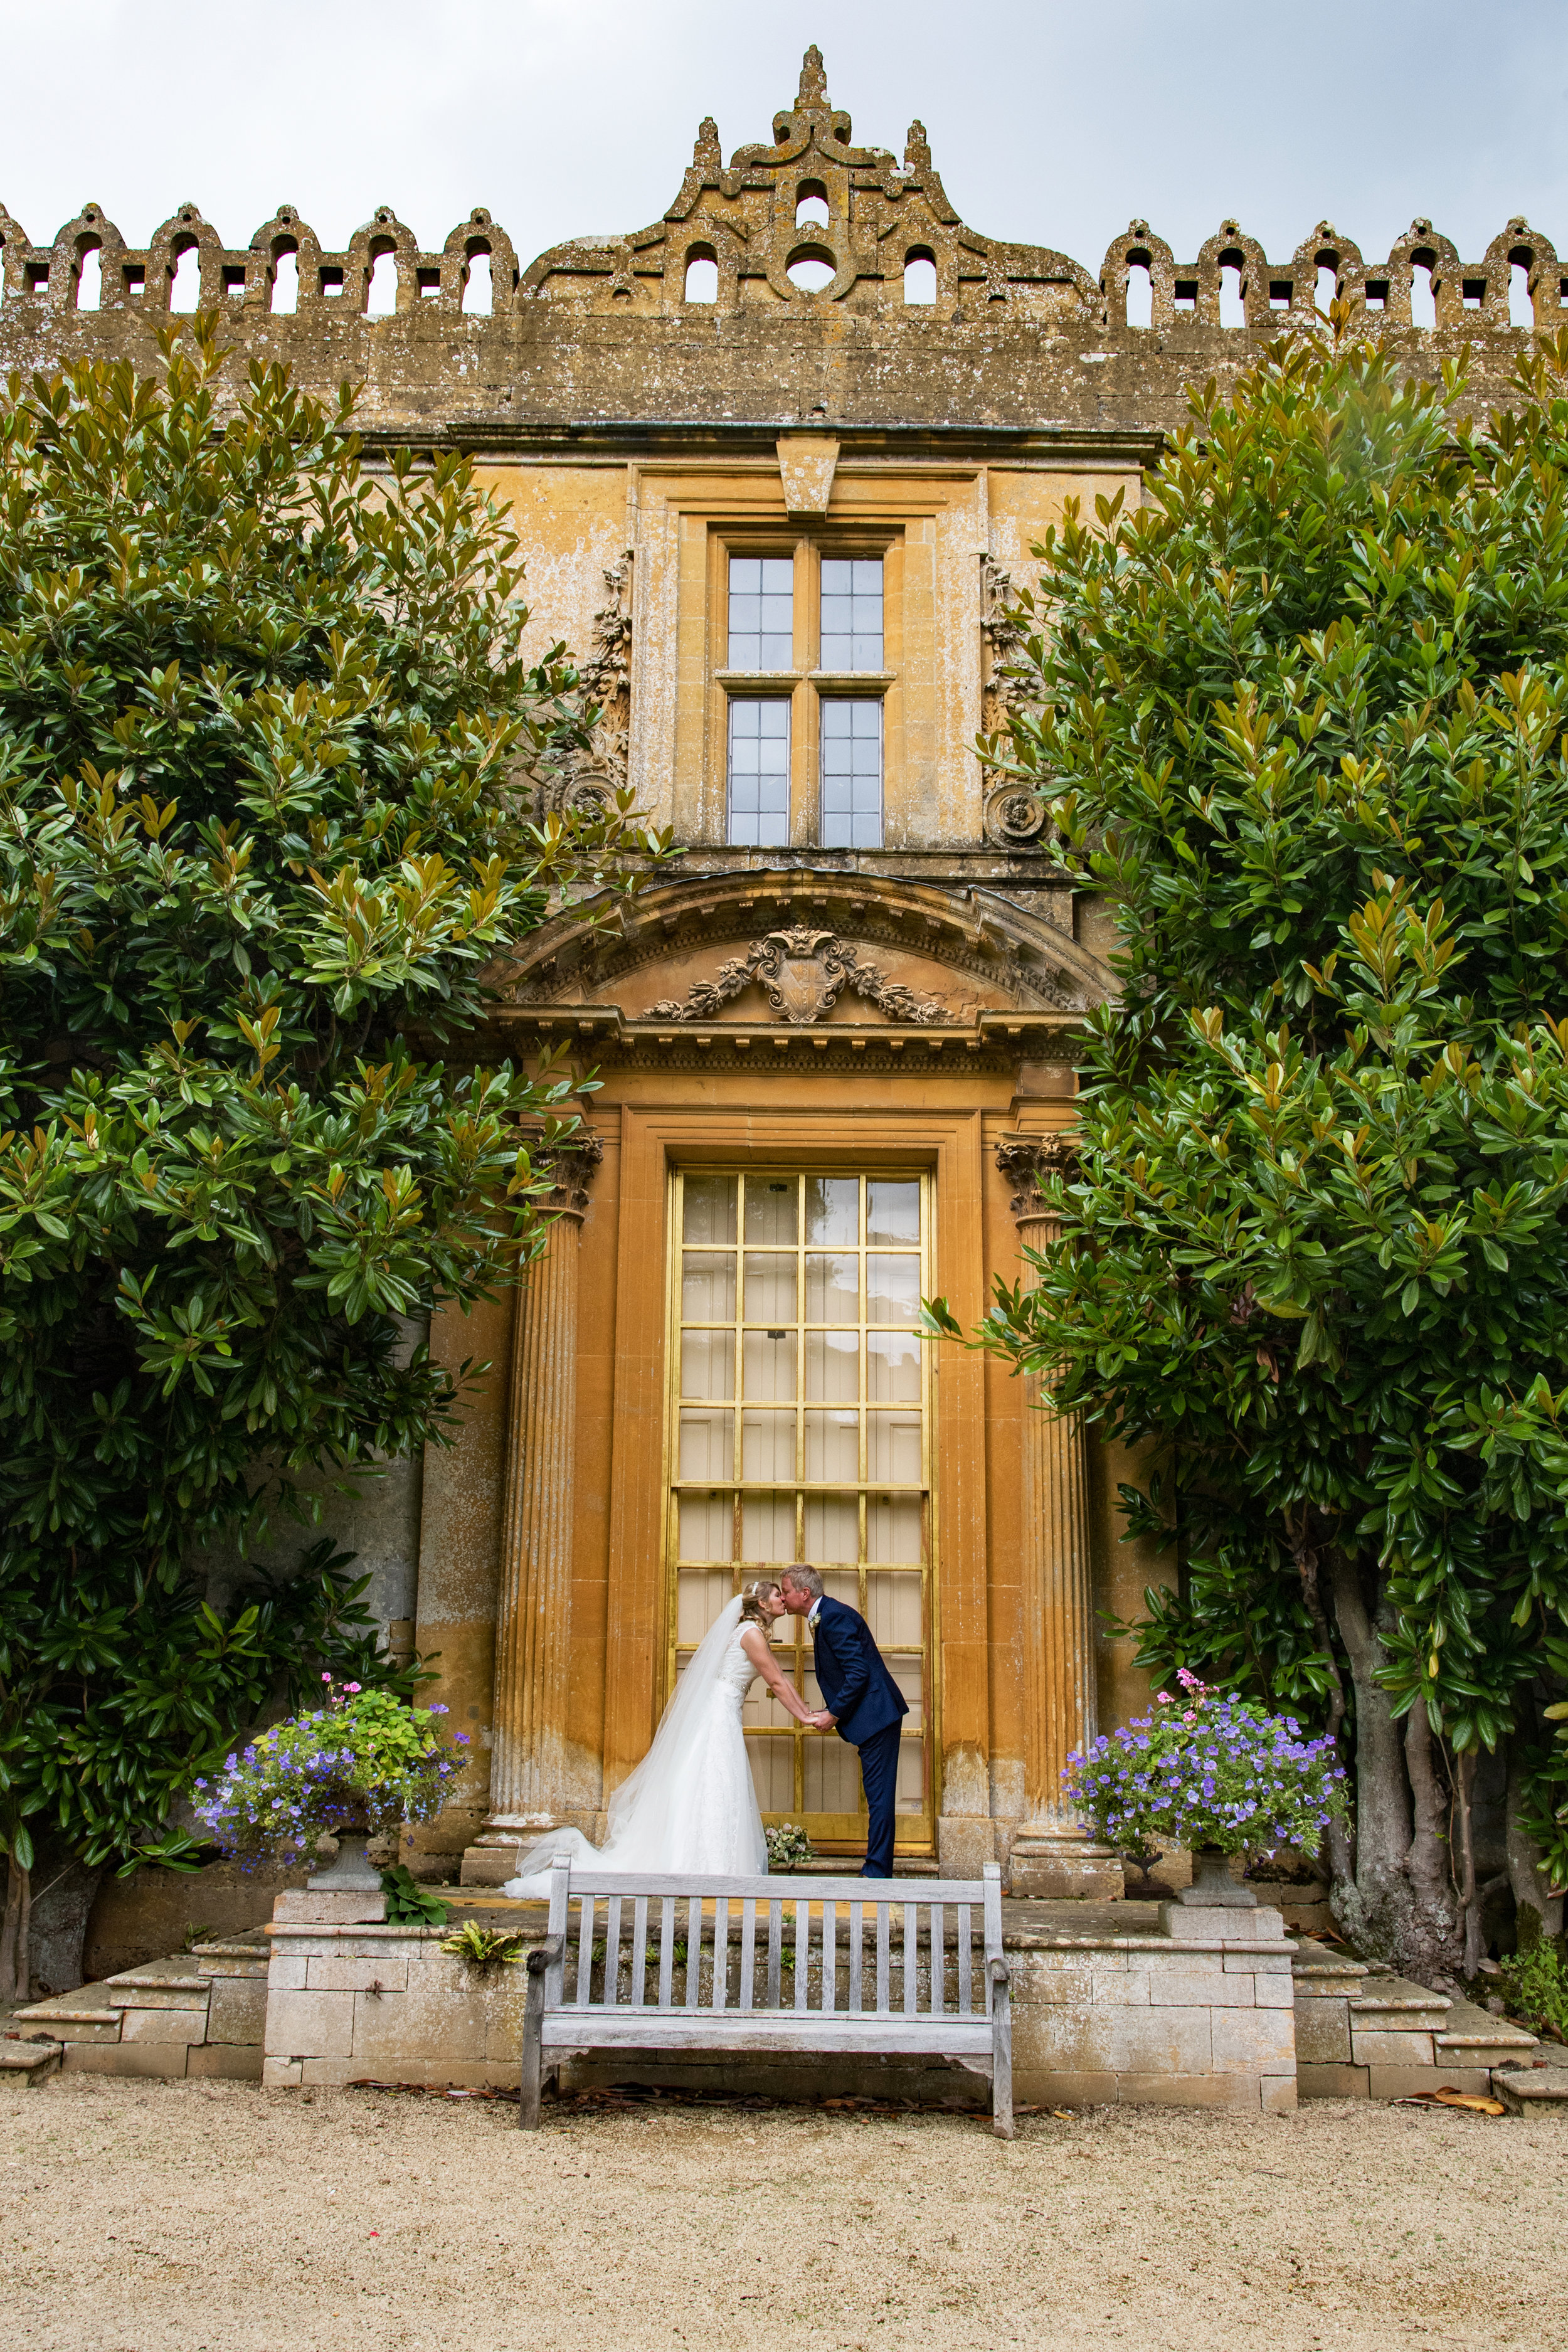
(1001, 2050)
(529, 2083)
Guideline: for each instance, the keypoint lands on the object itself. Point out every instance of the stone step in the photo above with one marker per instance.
(30, 2062)
(1533, 2089)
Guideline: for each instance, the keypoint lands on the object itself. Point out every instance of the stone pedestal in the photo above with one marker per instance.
(1051, 1856)
(533, 1621)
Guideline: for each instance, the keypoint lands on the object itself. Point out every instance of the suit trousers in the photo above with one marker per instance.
(879, 1778)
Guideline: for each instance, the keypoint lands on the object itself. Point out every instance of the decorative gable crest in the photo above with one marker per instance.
(805, 973)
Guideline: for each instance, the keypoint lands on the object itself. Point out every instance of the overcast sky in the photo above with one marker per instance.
(1055, 121)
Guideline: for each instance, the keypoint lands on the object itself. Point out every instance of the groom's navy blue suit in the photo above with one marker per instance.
(857, 1689)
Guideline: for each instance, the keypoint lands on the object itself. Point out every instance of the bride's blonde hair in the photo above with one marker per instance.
(751, 1599)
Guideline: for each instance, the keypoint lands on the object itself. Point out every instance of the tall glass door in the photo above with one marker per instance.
(800, 1430)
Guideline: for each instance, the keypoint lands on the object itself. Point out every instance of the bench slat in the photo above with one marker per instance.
(938, 1960)
(667, 1952)
(776, 1962)
(911, 1942)
(585, 1951)
(965, 1978)
(802, 1950)
(748, 1950)
(883, 1940)
(640, 1952)
(829, 1958)
(722, 1952)
(856, 1936)
(613, 1951)
(623, 2029)
(693, 1953)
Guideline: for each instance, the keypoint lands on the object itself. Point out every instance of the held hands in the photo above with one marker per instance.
(821, 1720)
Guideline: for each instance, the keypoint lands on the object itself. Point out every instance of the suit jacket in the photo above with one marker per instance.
(854, 1681)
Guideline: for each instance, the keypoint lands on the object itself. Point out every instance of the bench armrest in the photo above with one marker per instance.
(1001, 1974)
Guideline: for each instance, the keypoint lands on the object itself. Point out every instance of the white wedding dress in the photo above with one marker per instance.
(691, 1805)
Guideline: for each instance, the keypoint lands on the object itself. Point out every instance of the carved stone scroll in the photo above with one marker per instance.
(805, 973)
(587, 779)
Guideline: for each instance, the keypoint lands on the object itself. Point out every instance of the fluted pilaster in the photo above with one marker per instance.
(533, 1624)
(1051, 1855)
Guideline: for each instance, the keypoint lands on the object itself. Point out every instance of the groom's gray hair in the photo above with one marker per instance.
(805, 1579)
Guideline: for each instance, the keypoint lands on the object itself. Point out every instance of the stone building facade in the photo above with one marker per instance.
(777, 461)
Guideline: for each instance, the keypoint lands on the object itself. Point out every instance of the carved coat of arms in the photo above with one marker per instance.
(804, 973)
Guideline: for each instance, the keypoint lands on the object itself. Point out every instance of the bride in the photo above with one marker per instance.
(691, 1805)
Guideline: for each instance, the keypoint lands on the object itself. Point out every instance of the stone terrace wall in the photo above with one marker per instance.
(599, 331)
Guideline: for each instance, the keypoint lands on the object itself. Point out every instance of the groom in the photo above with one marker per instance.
(865, 1705)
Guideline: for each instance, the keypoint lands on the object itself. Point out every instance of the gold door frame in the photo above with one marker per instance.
(829, 1829)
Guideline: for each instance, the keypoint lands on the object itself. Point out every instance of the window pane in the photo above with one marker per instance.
(708, 1208)
(851, 775)
(832, 1775)
(892, 1369)
(706, 1288)
(833, 1367)
(833, 1444)
(770, 1289)
(893, 1448)
(768, 1368)
(893, 1289)
(770, 1211)
(892, 1212)
(707, 1526)
(893, 1527)
(832, 1289)
(759, 775)
(852, 613)
(911, 1796)
(701, 1594)
(761, 613)
(832, 1528)
(772, 1774)
(893, 1611)
(767, 1530)
(708, 1365)
(845, 1586)
(767, 1444)
(833, 1212)
(705, 1442)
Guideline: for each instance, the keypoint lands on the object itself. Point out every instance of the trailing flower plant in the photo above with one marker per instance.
(360, 1759)
(1208, 1768)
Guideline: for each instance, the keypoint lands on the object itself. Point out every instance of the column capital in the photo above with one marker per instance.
(1023, 1159)
(572, 1165)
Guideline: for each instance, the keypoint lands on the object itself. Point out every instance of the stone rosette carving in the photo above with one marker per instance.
(1024, 1160)
(804, 973)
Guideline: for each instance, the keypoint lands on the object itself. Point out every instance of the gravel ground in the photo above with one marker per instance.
(219, 2218)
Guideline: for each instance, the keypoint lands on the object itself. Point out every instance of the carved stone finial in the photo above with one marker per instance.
(916, 149)
(1023, 1160)
(707, 155)
(813, 98)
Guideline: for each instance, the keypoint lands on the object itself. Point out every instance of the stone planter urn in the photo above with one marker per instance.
(1212, 1884)
(349, 1872)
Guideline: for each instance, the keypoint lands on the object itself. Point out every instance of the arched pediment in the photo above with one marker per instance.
(811, 950)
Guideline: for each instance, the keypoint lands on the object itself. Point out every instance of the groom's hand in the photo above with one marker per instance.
(821, 1720)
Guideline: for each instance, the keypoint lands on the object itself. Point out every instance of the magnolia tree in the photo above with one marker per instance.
(1300, 716)
(267, 729)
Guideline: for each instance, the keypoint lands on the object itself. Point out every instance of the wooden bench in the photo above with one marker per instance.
(754, 1983)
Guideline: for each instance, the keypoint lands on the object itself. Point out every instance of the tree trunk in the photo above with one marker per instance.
(1400, 1905)
(1538, 1912)
(15, 1955)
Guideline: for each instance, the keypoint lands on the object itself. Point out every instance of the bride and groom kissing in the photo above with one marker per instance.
(690, 1806)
